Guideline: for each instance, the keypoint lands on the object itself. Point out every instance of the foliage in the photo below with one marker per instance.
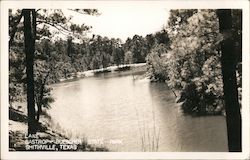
(178, 19)
(97, 52)
(137, 47)
(192, 64)
(16, 59)
(156, 59)
(156, 63)
(42, 20)
(42, 72)
(128, 59)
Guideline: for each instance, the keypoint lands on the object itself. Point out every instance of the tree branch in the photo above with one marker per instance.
(86, 11)
(62, 30)
(56, 26)
(38, 10)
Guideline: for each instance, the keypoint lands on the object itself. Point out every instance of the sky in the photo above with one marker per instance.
(123, 22)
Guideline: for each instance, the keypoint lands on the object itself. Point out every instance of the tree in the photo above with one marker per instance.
(16, 74)
(161, 37)
(150, 41)
(42, 90)
(128, 57)
(156, 62)
(138, 48)
(32, 18)
(70, 48)
(105, 48)
(117, 55)
(14, 20)
(29, 41)
(228, 62)
(193, 60)
(45, 69)
(178, 18)
(117, 52)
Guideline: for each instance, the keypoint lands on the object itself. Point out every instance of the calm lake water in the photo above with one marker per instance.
(123, 114)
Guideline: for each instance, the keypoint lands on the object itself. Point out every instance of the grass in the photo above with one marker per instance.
(149, 135)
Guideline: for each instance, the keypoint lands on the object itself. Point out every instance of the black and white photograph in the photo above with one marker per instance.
(124, 77)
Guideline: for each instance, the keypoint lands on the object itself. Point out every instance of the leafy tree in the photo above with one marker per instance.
(193, 49)
(16, 58)
(156, 63)
(161, 37)
(41, 75)
(178, 19)
(70, 48)
(139, 48)
(158, 45)
(128, 57)
(150, 41)
(95, 63)
(117, 55)
(105, 48)
(16, 75)
(117, 52)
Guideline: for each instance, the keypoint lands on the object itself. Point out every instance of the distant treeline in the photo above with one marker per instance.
(59, 59)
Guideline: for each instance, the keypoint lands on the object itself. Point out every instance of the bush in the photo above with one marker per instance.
(156, 63)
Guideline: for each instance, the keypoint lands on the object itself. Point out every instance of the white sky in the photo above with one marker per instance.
(123, 22)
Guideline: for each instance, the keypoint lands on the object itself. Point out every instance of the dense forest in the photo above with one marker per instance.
(186, 55)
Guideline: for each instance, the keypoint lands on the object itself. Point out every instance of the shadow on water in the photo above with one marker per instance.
(183, 132)
(118, 74)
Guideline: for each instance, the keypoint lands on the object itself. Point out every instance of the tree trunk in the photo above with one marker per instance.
(40, 99)
(228, 62)
(39, 111)
(29, 42)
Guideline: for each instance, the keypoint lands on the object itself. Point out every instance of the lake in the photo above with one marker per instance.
(126, 114)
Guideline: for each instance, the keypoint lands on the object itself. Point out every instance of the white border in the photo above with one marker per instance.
(181, 4)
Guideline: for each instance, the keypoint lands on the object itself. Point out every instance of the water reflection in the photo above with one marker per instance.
(114, 106)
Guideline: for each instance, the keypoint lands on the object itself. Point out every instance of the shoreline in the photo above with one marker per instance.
(110, 69)
(47, 129)
(48, 134)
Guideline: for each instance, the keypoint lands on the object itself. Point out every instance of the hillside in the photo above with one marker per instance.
(48, 138)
